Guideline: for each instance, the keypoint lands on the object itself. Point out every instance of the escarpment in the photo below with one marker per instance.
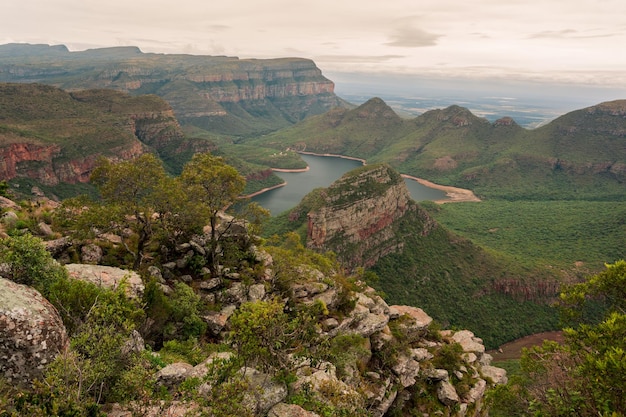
(208, 91)
(53, 136)
(357, 215)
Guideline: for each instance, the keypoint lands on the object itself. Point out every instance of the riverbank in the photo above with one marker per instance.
(363, 161)
(264, 190)
(454, 194)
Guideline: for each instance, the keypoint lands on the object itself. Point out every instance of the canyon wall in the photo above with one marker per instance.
(356, 219)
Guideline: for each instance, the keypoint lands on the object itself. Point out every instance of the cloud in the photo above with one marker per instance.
(357, 59)
(567, 34)
(408, 35)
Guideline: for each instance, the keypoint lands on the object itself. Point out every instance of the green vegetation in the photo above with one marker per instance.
(542, 234)
(586, 375)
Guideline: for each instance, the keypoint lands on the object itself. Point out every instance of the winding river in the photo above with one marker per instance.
(323, 171)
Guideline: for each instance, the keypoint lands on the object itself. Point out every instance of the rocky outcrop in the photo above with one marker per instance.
(356, 218)
(107, 277)
(31, 333)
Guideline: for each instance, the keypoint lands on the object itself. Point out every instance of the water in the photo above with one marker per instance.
(323, 171)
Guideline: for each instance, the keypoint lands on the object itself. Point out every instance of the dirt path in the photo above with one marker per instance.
(513, 350)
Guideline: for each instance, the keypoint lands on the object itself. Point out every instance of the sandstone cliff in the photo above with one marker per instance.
(357, 216)
(53, 136)
(209, 91)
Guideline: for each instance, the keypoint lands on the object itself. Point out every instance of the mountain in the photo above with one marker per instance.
(54, 136)
(220, 94)
(580, 155)
(368, 220)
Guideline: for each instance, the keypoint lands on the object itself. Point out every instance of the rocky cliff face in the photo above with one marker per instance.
(52, 136)
(357, 215)
(277, 91)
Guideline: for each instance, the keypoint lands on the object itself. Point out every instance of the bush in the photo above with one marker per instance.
(29, 263)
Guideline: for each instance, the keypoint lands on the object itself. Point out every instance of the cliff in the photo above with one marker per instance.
(357, 216)
(223, 94)
(53, 136)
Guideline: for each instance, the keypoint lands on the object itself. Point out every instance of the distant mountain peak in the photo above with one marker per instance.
(375, 108)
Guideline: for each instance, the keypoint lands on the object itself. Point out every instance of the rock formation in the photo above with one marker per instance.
(31, 333)
(357, 213)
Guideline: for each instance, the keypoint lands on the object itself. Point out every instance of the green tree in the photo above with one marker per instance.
(128, 191)
(214, 186)
(586, 376)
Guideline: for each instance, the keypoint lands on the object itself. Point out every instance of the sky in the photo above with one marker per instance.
(560, 41)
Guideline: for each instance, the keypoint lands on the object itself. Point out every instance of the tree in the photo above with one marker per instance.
(128, 190)
(586, 376)
(214, 186)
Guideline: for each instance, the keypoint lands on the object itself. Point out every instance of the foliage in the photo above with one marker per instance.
(550, 234)
(29, 262)
(265, 336)
(585, 376)
(212, 185)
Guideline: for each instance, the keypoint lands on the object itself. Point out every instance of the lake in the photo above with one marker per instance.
(323, 171)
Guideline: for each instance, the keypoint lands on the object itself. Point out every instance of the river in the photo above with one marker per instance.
(323, 171)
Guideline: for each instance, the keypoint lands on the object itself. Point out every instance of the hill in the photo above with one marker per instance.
(220, 94)
(580, 155)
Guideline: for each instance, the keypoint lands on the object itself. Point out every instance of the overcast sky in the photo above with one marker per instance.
(581, 41)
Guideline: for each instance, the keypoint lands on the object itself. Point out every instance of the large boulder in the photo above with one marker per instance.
(31, 332)
(107, 277)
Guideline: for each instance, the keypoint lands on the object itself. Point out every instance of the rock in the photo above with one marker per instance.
(134, 344)
(407, 370)
(263, 392)
(91, 254)
(256, 292)
(235, 294)
(57, 246)
(383, 406)
(435, 374)
(497, 375)
(477, 392)
(468, 341)
(164, 409)
(155, 273)
(173, 374)
(45, 229)
(447, 394)
(217, 321)
(201, 369)
(9, 217)
(107, 277)
(420, 318)
(289, 410)
(111, 238)
(31, 333)
(210, 284)
(6, 203)
(421, 354)
(197, 247)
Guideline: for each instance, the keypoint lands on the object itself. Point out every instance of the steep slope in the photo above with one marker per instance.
(367, 219)
(217, 93)
(53, 136)
(580, 155)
